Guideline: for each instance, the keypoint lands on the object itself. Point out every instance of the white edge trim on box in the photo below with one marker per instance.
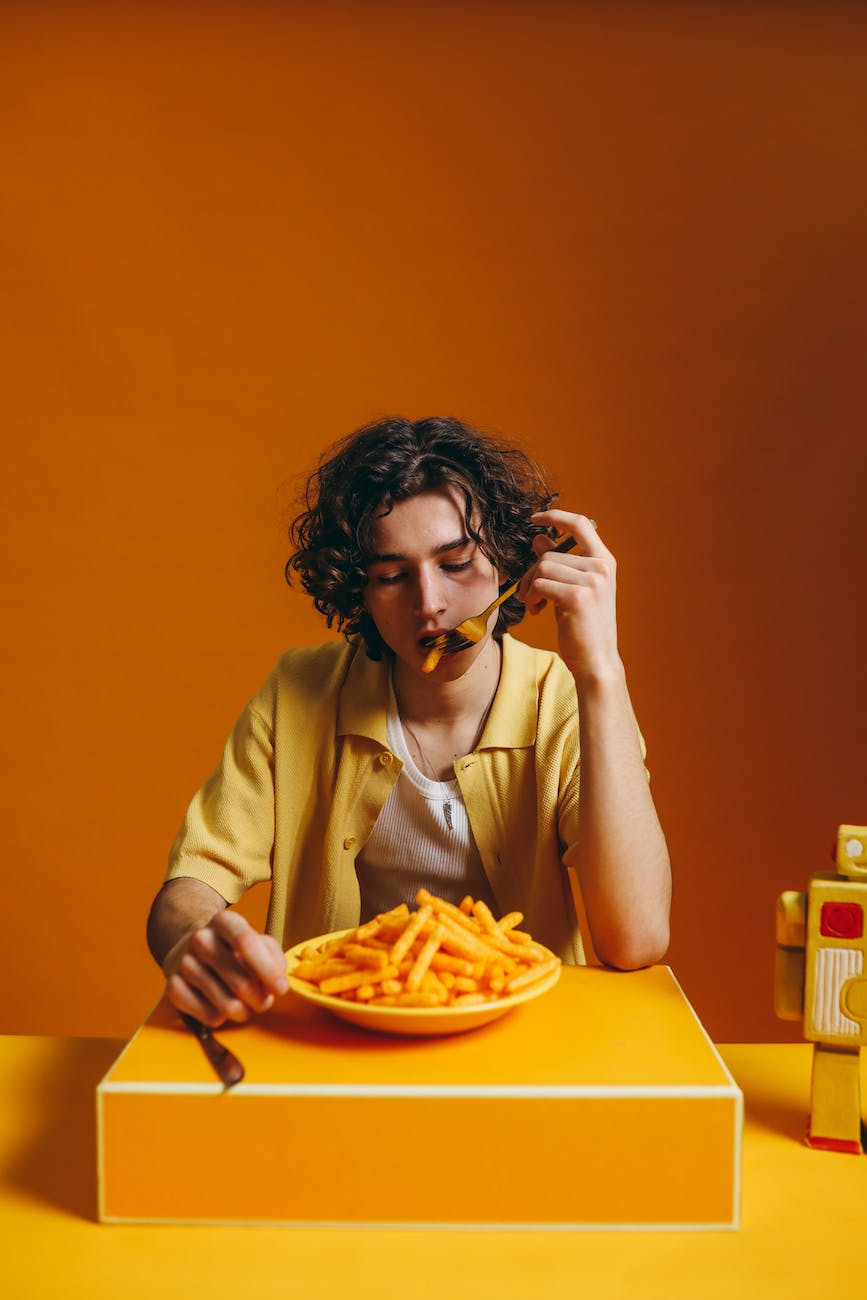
(445, 1226)
(552, 1091)
(100, 1160)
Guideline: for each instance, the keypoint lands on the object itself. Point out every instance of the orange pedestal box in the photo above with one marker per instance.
(603, 1104)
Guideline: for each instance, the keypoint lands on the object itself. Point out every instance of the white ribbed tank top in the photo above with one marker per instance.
(412, 844)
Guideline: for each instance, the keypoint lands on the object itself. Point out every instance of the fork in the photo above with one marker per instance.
(471, 631)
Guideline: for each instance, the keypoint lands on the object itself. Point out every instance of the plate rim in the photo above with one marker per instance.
(430, 1015)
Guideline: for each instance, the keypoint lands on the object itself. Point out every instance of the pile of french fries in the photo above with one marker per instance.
(437, 956)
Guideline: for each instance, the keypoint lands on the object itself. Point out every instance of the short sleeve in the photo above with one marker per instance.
(227, 837)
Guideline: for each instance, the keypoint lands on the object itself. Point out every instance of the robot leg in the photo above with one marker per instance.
(835, 1118)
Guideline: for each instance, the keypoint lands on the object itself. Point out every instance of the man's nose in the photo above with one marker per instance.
(429, 596)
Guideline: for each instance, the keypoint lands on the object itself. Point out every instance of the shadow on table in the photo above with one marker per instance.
(56, 1163)
(776, 1097)
(768, 1112)
(776, 1085)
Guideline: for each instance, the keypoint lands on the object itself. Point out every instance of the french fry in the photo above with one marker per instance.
(402, 945)
(431, 659)
(431, 983)
(321, 968)
(443, 961)
(370, 928)
(364, 956)
(438, 956)
(423, 960)
(527, 977)
(468, 925)
(442, 908)
(342, 983)
(485, 918)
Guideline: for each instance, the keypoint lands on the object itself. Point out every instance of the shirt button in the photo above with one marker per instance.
(385, 758)
(349, 841)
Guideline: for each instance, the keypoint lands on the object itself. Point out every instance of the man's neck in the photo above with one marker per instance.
(426, 702)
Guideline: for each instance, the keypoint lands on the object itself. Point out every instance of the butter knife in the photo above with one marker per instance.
(228, 1068)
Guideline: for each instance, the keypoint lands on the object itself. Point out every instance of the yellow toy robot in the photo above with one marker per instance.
(821, 947)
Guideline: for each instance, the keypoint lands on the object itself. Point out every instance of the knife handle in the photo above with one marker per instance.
(226, 1065)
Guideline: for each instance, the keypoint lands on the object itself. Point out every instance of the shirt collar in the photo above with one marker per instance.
(511, 724)
(363, 703)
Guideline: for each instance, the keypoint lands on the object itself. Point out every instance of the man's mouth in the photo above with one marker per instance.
(427, 639)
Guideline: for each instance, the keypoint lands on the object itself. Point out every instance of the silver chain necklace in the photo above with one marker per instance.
(447, 803)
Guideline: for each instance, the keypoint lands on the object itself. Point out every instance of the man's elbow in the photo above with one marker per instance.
(629, 951)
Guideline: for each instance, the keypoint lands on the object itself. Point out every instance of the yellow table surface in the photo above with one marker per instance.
(803, 1232)
(641, 1032)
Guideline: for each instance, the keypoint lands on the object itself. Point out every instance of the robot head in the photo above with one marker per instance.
(851, 855)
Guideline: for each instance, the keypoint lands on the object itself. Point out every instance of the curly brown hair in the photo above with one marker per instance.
(388, 461)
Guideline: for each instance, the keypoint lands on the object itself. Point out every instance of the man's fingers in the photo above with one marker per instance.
(229, 967)
(184, 997)
(204, 980)
(225, 970)
(263, 954)
(580, 566)
(574, 570)
(260, 953)
(209, 965)
(542, 543)
(581, 527)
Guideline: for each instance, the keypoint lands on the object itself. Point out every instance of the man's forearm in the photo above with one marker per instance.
(181, 907)
(622, 858)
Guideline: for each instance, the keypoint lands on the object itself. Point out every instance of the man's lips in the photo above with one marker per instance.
(427, 639)
(426, 643)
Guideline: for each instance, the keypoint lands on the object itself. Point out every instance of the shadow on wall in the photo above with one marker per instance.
(56, 1162)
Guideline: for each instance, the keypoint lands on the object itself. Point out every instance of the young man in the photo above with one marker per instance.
(354, 777)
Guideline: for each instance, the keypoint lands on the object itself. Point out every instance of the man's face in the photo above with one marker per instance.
(426, 576)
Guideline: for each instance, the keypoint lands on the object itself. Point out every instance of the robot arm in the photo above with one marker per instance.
(791, 944)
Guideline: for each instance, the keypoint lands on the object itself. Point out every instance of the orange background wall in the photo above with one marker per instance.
(631, 235)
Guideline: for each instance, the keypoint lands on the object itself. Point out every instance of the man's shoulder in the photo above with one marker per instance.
(544, 667)
(308, 673)
(315, 660)
(536, 694)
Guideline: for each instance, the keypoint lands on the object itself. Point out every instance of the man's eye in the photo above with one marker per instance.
(456, 568)
(389, 579)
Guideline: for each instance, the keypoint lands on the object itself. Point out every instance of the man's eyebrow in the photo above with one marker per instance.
(392, 557)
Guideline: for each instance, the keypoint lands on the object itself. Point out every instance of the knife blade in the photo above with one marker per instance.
(226, 1065)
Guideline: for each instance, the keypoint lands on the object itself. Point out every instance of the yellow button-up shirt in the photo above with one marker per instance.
(307, 769)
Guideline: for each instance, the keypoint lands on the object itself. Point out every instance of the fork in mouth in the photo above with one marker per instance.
(471, 630)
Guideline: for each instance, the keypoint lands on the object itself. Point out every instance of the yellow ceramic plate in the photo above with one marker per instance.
(409, 1020)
